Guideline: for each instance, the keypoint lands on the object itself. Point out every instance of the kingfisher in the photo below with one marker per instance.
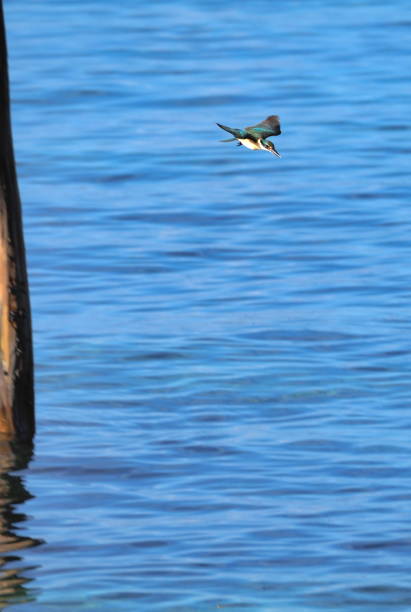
(255, 136)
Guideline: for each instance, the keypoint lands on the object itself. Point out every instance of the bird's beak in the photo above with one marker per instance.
(275, 152)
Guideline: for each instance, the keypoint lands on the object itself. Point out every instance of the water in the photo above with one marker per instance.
(222, 338)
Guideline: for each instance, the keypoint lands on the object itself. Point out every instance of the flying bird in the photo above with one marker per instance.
(255, 136)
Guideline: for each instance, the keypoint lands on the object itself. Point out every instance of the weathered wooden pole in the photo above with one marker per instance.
(16, 368)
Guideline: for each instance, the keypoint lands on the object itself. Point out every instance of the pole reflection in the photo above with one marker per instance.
(13, 493)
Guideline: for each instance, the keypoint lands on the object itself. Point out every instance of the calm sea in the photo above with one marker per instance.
(222, 338)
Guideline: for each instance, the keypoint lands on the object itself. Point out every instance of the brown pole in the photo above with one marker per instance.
(16, 369)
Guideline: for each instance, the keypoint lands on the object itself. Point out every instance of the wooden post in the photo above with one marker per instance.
(16, 368)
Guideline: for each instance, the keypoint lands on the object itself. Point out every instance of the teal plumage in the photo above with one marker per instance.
(255, 136)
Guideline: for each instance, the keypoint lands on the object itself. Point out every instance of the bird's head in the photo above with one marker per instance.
(268, 146)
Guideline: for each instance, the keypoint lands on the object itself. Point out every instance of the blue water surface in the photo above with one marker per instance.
(222, 338)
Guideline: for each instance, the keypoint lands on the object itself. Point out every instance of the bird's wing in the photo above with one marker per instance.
(234, 131)
(266, 128)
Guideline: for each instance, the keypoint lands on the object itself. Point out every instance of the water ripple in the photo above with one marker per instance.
(222, 338)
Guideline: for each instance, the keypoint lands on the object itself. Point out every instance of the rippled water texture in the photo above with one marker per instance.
(222, 337)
